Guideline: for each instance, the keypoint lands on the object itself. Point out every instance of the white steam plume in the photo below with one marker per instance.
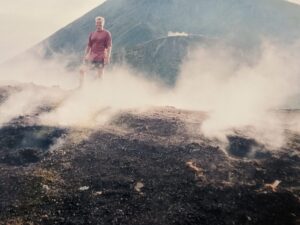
(31, 68)
(98, 100)
(236, 94)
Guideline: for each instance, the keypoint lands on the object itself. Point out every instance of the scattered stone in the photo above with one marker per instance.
(197, 170)
(98, 193)
(273, 186)
(45, 187)
(84, 188)
(138, 186)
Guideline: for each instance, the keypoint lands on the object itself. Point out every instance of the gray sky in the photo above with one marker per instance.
(24, 23)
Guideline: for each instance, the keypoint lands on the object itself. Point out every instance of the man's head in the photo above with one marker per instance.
(99, 22)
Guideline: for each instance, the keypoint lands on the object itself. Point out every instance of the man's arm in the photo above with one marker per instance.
(108, 52)
(108, 43)
(88, 48)
(87, 52)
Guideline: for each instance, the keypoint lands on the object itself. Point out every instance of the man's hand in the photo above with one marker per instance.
(86, 57)
(106, 60)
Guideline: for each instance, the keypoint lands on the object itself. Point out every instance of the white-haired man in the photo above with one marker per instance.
(98, 50)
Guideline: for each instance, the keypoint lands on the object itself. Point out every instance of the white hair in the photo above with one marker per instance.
(100, 18)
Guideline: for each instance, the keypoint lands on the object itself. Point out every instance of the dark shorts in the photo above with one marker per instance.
(94, 64)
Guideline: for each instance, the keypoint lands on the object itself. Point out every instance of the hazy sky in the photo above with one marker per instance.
(26, 22)
(294, 1)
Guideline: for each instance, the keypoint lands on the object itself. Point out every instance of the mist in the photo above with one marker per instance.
(237, 95)
(241, 94)
(99, 100)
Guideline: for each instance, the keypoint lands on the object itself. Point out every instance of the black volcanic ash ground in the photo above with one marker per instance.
(143, 169)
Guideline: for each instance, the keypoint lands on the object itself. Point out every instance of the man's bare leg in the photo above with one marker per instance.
(100, 72)
(82, 72)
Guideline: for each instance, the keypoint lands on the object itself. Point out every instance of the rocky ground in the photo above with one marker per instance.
(144, 168)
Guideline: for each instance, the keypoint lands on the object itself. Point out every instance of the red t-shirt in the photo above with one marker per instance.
(99, 41)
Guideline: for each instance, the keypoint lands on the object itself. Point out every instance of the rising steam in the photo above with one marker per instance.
(235, 93)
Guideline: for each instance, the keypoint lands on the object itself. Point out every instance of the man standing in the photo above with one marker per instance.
(98, 50)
